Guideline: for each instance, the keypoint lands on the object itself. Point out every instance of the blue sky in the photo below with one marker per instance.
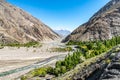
(61, 14)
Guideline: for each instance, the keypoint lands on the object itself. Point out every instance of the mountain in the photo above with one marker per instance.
(103, 25)
(62, 33)
(18, 26)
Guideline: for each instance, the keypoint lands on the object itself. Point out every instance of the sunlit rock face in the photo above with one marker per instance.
(104, 24)
(18, 26)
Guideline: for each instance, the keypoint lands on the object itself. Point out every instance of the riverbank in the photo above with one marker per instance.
(14, 57)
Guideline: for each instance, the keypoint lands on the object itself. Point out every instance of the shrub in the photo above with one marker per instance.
(63, 69)
(50, 70)
(57, 71)
(108, 61)
(23, 78)
(62, 49)
(40, 72)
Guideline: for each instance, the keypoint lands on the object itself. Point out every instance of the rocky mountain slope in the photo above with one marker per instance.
(112, 71)
(104, 24)
(18, 26)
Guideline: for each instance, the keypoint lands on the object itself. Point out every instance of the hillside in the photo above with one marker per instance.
(103, 25)
(17, 25)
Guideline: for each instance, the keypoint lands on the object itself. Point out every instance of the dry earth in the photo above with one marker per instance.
(12, 58)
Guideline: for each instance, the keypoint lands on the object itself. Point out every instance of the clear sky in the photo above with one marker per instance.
(61, 14)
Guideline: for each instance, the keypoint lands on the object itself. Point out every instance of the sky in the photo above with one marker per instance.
(61, 14)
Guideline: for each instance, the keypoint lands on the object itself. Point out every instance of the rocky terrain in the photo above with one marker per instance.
(15, 62)
(104, 24)
(95, 68)
(105, 68)
(112, 72)
(18, 26)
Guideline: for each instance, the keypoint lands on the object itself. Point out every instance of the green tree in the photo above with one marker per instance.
(63, 69)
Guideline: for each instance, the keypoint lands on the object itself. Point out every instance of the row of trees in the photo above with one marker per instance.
(85, 50)
(70, 62)
(16, 44)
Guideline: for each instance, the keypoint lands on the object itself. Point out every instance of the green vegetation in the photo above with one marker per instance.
(70, 62)
(108, 61)
(85, 51)
(1, 47)
(116, 50)
(79, 67)
(41, 72)
(23, 78)
(62, 49)
(29, 44)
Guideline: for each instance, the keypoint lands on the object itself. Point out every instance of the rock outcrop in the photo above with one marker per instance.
(112, 71)
(104, 24)
(18, 26)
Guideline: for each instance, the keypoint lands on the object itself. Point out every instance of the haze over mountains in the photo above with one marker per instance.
(63, 33)
(104, 24)
(18, 26)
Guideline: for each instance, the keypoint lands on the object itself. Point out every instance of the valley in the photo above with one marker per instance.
(12, 58)
(83, 64)
(31, 50)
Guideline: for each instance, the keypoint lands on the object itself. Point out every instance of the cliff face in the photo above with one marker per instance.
(104, 24)
(19, 26)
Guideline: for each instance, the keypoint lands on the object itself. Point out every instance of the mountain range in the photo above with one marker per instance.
(103, 25)
(17, 25)
(62, 33)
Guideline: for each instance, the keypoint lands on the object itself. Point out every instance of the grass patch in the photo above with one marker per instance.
(66, 49)
(23, 78)
(41, 72)
(29, 44)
